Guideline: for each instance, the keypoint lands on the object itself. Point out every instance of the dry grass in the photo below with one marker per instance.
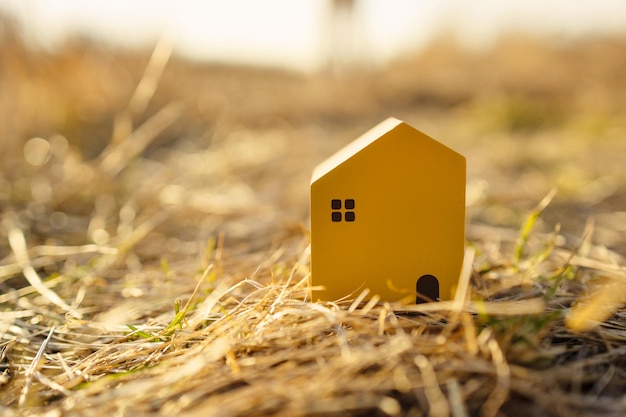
(154, 244)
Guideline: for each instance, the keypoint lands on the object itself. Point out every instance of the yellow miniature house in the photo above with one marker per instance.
(388, 214)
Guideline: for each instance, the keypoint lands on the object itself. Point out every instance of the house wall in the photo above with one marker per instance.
(409, 194)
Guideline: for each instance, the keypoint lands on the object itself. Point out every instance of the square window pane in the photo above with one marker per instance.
(335, 204)
(336, 216)
(349, 204)
(350, 216)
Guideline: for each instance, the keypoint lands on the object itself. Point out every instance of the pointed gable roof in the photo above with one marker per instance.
(361, 143)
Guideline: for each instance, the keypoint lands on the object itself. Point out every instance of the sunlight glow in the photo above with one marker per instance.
(295, 33)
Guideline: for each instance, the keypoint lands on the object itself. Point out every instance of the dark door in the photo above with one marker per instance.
(427, 289)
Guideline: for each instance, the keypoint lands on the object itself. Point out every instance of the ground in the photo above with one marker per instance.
(154, 236)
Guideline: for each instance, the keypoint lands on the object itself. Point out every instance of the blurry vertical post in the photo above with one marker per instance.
(345, 36)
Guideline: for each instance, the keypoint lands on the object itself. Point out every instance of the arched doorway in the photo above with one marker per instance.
(427, 289)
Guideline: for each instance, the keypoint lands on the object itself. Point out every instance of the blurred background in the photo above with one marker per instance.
(215, 113)
(302, 35)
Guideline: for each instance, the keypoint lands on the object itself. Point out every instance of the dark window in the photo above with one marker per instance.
(337, 215)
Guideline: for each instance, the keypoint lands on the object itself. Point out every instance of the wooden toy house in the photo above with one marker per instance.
(388, 214)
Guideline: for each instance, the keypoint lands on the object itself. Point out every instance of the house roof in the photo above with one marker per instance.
(359, 144)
